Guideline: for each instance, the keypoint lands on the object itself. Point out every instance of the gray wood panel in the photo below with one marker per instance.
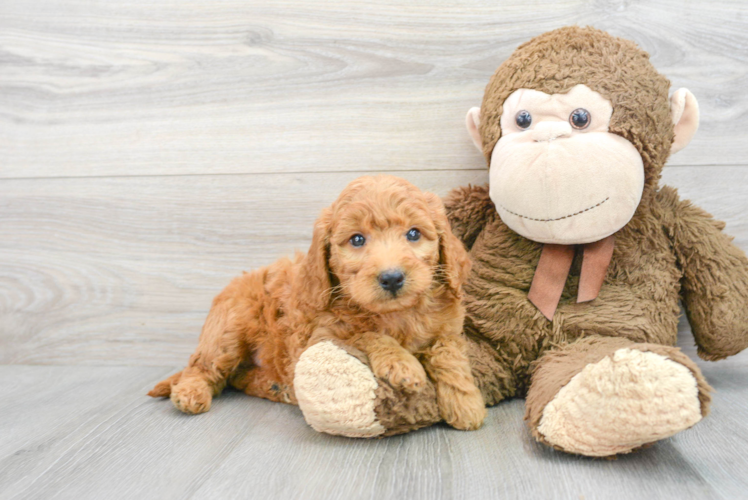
(48, 411)
(123, 270)
(90, 432)
(150, 151)
(139, 87)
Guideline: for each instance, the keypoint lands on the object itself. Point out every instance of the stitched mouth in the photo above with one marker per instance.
(557, 218)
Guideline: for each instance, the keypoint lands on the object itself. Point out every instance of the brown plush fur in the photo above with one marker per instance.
(669, 251)
(560, 365)
(556, 61)
(261, 322)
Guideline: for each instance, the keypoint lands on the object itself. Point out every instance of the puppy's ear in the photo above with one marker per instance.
(314, 286)
(453, 257)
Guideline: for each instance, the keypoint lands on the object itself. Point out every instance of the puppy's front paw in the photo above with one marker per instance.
(401, 372)
(191, 396)
(462, 410)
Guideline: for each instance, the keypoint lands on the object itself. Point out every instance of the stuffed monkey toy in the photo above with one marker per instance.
(580, 260)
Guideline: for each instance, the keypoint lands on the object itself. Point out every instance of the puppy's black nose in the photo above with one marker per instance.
(392, 280)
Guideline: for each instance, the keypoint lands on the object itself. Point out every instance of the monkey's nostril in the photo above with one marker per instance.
(392, 280)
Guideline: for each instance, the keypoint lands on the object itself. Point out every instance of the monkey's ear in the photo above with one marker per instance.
(472, 121)
(685, 112)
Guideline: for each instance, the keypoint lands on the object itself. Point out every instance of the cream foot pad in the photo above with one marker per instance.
(336, 392)
(620, 403)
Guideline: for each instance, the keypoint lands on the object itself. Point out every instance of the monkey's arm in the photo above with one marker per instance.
(715, 278)
(468, 209)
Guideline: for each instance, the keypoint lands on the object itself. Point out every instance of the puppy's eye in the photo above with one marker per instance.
(357, 240)
(580, 118)
(523, 119)
(413, 235)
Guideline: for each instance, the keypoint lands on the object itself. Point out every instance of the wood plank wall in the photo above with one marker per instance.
(145, 159)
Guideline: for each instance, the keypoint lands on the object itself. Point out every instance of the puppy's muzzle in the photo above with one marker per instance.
(392, 280)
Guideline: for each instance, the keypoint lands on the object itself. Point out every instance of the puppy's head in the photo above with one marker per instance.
(383, 244)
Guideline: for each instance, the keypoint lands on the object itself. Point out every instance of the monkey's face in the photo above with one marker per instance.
(557, 174)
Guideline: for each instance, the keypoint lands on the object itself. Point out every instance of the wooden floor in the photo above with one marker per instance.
(151, 150)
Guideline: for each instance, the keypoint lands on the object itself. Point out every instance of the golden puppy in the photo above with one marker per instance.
(384, 274)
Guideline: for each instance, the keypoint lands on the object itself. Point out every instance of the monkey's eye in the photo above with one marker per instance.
(357, 240)
(413, 235)
(580, 118)
(523, 119)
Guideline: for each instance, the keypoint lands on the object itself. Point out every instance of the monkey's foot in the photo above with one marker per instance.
(338, 394)
(623, 401)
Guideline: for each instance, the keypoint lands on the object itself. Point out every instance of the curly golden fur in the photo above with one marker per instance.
(259, 325)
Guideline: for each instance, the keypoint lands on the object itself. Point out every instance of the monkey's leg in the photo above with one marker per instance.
(339, 394)
(603, 396)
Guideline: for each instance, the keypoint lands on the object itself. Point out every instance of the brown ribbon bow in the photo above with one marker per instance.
(553, 269)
